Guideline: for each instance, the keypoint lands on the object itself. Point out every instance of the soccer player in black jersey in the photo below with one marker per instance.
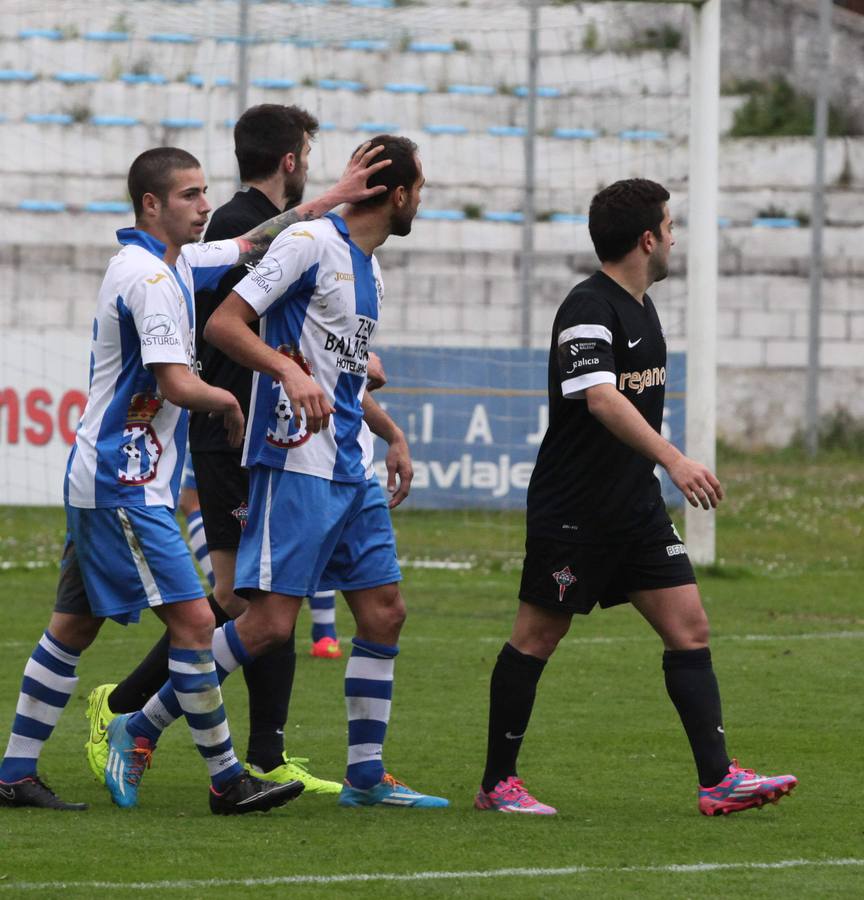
(597, 529)
(272, 144)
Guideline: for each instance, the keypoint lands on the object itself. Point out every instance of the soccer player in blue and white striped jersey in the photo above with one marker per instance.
(124, 550)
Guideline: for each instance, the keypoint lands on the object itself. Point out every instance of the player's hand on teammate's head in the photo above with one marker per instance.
(362, 165)
(375, 374)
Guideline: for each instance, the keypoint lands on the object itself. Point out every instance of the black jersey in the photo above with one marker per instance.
(244, 211)
(587, 485)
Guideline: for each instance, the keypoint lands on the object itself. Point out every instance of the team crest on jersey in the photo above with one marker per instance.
(281, 430)
(563, 579)
(140, 450)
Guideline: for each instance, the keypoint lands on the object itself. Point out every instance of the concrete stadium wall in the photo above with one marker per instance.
(457, 283)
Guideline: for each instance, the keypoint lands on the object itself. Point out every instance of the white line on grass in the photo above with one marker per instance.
(686, 869)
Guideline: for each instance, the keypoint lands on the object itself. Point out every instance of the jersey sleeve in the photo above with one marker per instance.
(209, 261)
(585, 357)
(294, 252)
(157, 307)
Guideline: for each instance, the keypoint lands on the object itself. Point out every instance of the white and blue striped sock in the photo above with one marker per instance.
(368, 691)
(164, 707)
(198, 545)
(48, 683)
(323, 607)
(194, 679)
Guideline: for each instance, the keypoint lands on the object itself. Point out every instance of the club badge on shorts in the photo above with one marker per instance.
(563, 579)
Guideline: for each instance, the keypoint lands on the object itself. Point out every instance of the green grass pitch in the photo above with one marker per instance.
(604, 746)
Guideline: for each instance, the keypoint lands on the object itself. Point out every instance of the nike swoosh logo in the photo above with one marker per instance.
(9, 795)
(513, 737)
(632, 344)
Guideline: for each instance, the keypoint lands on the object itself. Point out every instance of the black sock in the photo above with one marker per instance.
(151, 673)
(269, 680)
(143, 682)
(511, 699)
(692, 687)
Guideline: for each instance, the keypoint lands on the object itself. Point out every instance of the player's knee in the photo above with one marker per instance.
(193, 625)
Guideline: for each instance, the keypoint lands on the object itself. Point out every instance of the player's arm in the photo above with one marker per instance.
(351, 188)
(400, 472)
(614, 411)
(226, 329)
(180, 387)
(376, 377)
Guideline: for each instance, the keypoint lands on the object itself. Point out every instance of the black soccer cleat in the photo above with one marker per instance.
(32, 791)
(246, 794)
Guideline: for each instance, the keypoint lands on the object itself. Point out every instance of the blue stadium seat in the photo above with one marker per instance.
(51, 34)
(76, 77)
(574, 218)
(448, 215)
(724, 222)
(540, 92)
(340, 84)
(182, 123)
(223, 81)
(374, 4)
(16, 75)
(396, 88)
(116, 36)
(276, 83)
(775, 222)
(195, 80)
(305, 42)
(114, 120)
(479, 90)
(584, 134)
(143, 78)
(326, 126)
(378, 127)
(238, 39)
(49, 119)
(639, 134)
(365, 44)
(230, 123)
(506, 131)
(169, 38)
(108, 206)
(503, 216)
(431, 47)
(445, 129)
(42, 206)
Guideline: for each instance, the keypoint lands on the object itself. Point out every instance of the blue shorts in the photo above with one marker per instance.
(306, 534)
(188, 482)
(130, 558)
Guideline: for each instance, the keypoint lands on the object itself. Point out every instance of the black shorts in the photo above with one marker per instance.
(573, 578)
(71, 593)
(223, 492)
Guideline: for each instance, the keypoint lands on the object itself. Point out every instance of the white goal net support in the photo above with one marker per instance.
(623, 89)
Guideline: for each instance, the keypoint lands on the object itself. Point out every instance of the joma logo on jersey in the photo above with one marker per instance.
(159, 276)
(344, 276)
(638, 381)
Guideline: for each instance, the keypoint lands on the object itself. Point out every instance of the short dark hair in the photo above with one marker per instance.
(265, 133)
(152, 172)
(401, 171)
(621, 213)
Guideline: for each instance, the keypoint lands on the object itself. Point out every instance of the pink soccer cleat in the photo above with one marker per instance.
(743, 789)
(326, 648)
(510, 796)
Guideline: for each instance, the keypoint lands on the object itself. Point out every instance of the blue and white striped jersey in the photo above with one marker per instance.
(318, 295)
(130, 442)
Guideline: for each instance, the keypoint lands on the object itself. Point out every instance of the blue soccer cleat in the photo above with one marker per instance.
(388, 792)
(128, 757)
